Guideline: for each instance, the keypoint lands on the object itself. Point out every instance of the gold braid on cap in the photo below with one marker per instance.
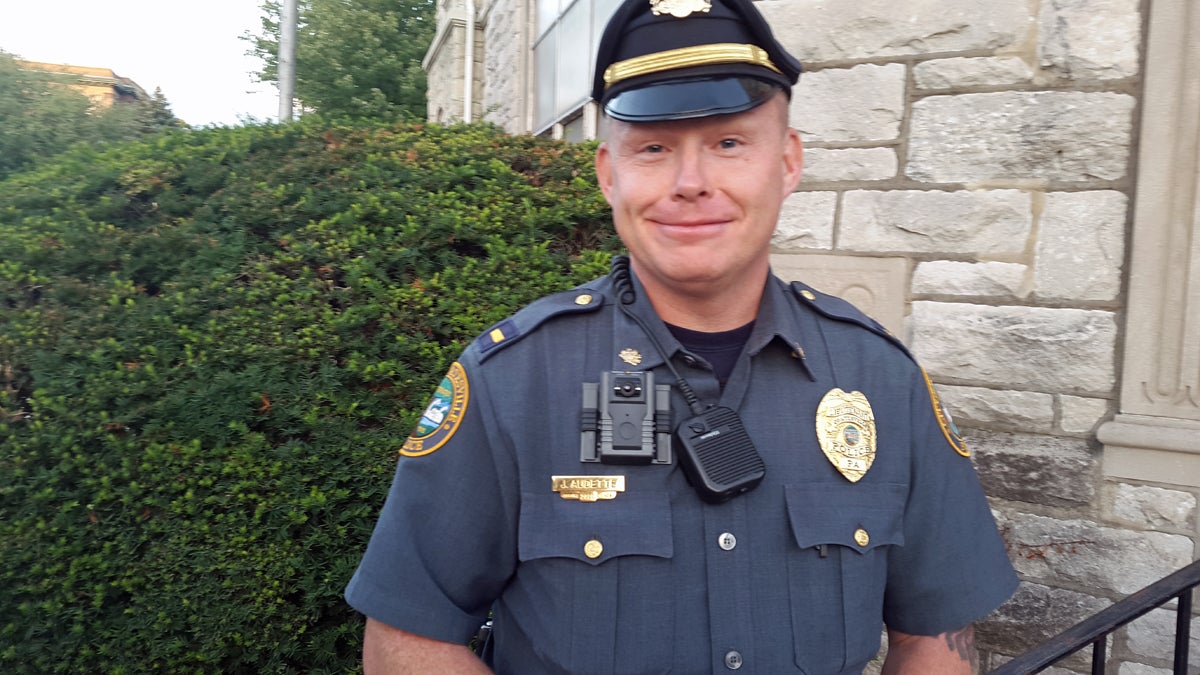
(701, 55)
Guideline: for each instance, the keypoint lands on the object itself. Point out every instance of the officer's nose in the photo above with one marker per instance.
(691, 175)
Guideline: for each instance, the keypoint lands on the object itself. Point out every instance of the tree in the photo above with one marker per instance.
(354, 58)
(41, 115)
(134, 119)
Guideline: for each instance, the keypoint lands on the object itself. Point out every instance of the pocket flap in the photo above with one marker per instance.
(859, 517)
(593, 532)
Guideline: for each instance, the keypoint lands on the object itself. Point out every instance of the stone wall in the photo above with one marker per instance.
(506, 92)
(445, 63)
(989, 145)
(973, 180)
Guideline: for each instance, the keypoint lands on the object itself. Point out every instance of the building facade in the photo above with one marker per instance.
(102, 86)
(1013, 186)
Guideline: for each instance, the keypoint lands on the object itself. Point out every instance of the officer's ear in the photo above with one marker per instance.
(604, 170)
(793, 160)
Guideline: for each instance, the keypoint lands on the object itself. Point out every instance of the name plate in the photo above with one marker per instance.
(588, 488)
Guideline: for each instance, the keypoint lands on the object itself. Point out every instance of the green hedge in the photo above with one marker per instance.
(212, 344)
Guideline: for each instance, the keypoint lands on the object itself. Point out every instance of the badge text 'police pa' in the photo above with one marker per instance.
(846, 432)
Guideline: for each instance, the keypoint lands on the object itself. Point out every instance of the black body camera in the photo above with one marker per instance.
(626, 419)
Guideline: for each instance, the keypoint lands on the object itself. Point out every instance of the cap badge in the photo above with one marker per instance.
(846, 432)
(630, 356)
(679, 8)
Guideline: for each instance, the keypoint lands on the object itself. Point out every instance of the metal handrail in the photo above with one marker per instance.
(1095, 629)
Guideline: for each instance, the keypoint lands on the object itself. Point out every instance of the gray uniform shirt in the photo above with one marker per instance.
(797, 575)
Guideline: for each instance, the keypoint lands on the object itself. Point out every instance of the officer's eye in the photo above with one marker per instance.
(653, 148)
(729, 143)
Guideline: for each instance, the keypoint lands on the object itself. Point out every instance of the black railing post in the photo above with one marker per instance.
(1095, 629)
(1183, 629)
(1099, 655)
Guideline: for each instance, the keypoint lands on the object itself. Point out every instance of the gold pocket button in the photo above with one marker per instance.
(593, 548)
(861, 537)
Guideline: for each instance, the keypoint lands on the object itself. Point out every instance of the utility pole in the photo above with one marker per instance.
(287, 58)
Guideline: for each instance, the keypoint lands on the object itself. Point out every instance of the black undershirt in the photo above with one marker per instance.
(719, 349)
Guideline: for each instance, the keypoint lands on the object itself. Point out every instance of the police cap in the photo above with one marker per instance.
(681, 59)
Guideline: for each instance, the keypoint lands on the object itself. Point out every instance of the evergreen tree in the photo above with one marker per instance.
(354, 58)
(39, 115)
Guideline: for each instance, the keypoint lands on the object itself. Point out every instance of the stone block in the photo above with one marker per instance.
(1065, 136)
(1082, 668)
(1084, 40)
(1080, 415)
(934, 221)
(1017, 410)
(1032, 468)
(991, 279)
(822, 164)
(1081, 245)
(820, 31)
(1034, 614)
(806, 221)
(1027, 347)
(874, 285)
(983, 71)
(1152, 507)
(1129, 668)
(1085, 554)
(875, 667)
(1153, 635)
(863, 103)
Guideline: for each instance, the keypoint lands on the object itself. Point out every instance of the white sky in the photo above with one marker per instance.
(189, 48)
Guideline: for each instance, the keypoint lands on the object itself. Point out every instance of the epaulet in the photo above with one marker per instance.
(839, 310)
(525, 321)
(833, 307)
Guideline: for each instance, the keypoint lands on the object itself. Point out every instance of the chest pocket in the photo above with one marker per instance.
(838, 574)
(594, 576)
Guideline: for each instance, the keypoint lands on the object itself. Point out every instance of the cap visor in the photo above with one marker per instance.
(688, 99)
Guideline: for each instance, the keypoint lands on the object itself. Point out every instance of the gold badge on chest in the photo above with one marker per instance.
(846, 432)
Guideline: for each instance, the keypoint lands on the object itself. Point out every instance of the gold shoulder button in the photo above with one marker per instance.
(583, 299)
(808, 295)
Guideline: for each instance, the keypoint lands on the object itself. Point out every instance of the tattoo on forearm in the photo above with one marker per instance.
(962, 642)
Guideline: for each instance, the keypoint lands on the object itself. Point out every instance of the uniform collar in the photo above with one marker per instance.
(631, 341)
(776, 320)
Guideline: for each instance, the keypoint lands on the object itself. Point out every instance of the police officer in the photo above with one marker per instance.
(687, 466)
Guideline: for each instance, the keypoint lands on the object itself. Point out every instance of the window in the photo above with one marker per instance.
(564, 55)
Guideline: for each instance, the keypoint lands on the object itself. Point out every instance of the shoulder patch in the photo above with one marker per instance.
(834, 307)
(949, 430)
(442, 416)
(512, 329)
